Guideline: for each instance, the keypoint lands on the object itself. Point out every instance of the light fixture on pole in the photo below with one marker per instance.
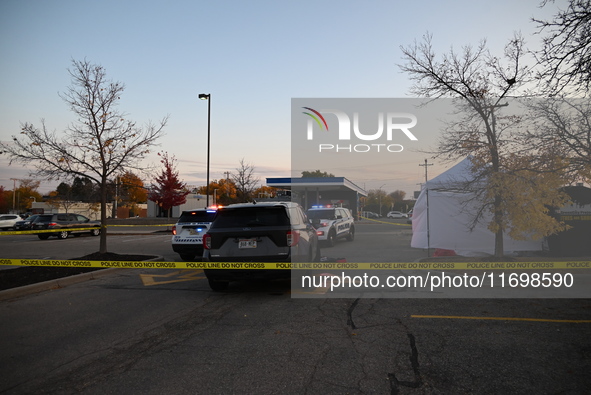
(207, 96)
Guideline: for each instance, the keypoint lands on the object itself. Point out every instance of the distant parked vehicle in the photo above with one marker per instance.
(396, 214)
(370, 214)
(26, 224)
(409, 214)
(64, 225)
(7, 221)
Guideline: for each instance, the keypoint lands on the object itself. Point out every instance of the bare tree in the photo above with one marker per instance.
(563, 127)
(480, 84)
(101, 143)
(565, 57)
(245, 180)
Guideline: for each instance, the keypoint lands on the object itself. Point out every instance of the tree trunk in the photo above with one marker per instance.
(499, 247)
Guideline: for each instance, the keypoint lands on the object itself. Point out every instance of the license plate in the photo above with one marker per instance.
(194, 231)
(247, 243)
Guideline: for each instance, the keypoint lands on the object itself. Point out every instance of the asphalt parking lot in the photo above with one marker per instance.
(165, 331)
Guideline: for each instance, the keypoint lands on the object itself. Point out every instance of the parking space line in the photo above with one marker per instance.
(174, 277)
(456, 317)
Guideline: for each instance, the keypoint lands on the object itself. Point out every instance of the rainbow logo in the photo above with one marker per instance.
(316, 118)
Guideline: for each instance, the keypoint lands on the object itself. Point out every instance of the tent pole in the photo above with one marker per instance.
(427, 195)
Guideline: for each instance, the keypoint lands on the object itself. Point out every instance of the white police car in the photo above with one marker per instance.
(187, 239)
(332, 223)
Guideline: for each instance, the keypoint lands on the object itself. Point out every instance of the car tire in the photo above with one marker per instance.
(187, 257)
(43, 236)
(62, 235)
(330, 240)
(218, 286)
(95, 232)
(351, 235)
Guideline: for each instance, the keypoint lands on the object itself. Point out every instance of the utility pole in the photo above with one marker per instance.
(426, 165)
(116, 195)
(14, 195)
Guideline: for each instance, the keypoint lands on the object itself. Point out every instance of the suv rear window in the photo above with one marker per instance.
(251, 217)
(197, 216)
(44, 218)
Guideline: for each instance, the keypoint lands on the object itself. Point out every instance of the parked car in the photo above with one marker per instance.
(396, 214)
(409, 216)
(187, 239)
(332, 223)
(258, 232)
(370, 214)
(7, 221)
(64, 225)
(26, 224)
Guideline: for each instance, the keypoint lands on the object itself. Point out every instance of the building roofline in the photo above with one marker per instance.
(289, 182)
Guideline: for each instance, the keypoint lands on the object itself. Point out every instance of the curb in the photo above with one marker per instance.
(63, 282)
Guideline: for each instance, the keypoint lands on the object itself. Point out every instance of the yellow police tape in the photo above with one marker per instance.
(34, 232)
(302, 265)
(386, 222)
(126, 226)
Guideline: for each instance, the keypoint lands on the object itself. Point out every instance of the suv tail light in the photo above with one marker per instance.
(293, 238)
(207, 241)
(174, 230)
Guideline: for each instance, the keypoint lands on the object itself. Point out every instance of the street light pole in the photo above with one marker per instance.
(14, 195)
(380, 198)
(207, 96)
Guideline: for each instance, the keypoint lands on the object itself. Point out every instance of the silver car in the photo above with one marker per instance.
(7, 221)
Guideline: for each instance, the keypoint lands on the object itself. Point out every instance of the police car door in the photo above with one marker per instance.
(341, 222)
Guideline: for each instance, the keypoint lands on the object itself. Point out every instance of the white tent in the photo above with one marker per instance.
(445, 223)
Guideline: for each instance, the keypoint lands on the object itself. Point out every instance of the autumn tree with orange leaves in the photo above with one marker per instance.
(224, 191)
(131, 190)
(168, 190)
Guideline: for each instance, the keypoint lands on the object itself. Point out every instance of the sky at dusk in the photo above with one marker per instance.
(252, 57)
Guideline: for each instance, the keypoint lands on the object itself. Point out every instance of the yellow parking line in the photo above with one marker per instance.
(457, 317)
(174, 277)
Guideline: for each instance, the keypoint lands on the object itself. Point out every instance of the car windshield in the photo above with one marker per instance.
(321, 214)
(251, 217)
(197, 216)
